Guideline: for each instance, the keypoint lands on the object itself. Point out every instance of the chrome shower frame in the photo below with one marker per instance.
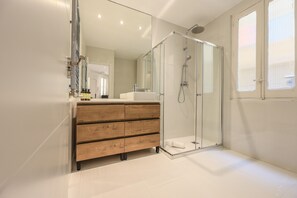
(185, 36)
(184, 82)
(162, 94)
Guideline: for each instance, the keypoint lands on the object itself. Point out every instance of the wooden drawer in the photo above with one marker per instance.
(142, 111)
(142, 127)
(97, 113)
(91, 132)
(99, 149)
(141, 142)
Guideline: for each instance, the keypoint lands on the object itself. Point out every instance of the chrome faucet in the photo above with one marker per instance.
(138, 89)
(134, 87)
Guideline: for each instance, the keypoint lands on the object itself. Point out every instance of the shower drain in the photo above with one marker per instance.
(195, 142)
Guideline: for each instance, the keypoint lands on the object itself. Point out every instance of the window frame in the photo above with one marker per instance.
(258, 8)
(262, 91)
(277, 93)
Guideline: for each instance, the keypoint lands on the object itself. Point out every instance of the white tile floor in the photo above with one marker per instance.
(189, 146)
(208, 174)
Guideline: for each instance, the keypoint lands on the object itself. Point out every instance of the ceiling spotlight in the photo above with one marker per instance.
(122, 22)
(99, 16)
(140, 28)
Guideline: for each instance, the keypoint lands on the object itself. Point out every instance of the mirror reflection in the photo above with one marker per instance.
(116, 41)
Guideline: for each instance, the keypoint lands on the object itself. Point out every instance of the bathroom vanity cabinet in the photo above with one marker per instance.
(104, 129)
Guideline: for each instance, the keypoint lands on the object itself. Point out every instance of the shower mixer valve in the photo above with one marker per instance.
(184, 84)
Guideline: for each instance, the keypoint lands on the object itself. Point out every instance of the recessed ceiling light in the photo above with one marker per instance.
(122, 22)
(99, 16)
(140, 28)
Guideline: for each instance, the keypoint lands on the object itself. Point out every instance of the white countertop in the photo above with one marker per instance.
(98, 101)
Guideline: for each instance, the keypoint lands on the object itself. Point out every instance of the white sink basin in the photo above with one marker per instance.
(139, 96)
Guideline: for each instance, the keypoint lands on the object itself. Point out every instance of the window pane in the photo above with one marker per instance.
(281, 44)
(247, 38)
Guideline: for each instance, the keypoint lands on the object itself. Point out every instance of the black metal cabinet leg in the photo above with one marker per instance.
(122, 156)
(78, 166)
(125, 156)
(157, 149)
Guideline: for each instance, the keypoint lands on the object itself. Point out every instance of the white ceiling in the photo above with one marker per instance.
(184, 13)
(126, 40)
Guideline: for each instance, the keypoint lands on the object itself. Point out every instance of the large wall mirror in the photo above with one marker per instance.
(116, 41)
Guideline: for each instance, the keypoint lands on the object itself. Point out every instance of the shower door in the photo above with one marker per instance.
(209, 91)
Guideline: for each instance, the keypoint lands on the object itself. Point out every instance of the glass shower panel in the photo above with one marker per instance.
(211, 101)
(179, 94)
(157, 60)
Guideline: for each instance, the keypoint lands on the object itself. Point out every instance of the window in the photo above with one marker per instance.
(247, 62)
(281, 45)
(263, 56)
(246, 55)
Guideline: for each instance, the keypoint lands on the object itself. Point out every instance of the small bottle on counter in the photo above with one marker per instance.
(89, 94)
(83, 95)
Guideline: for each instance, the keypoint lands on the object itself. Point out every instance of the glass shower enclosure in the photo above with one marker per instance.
(187, 74)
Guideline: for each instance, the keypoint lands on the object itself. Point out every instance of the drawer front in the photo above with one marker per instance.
(99, 149)
(91, 132)
(142, 127)
(97, 113)
(142, 111)
(141, 142)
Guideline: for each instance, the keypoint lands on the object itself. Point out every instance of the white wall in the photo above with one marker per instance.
(161, 28)
(265, 130)
(140, 72)
(105, 57)
(83, 47)
(125, 72)
(35, 132)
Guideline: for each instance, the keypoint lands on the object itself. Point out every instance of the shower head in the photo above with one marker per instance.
(196, 29)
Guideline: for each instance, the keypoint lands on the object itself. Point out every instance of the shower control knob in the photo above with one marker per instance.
(184, 84)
